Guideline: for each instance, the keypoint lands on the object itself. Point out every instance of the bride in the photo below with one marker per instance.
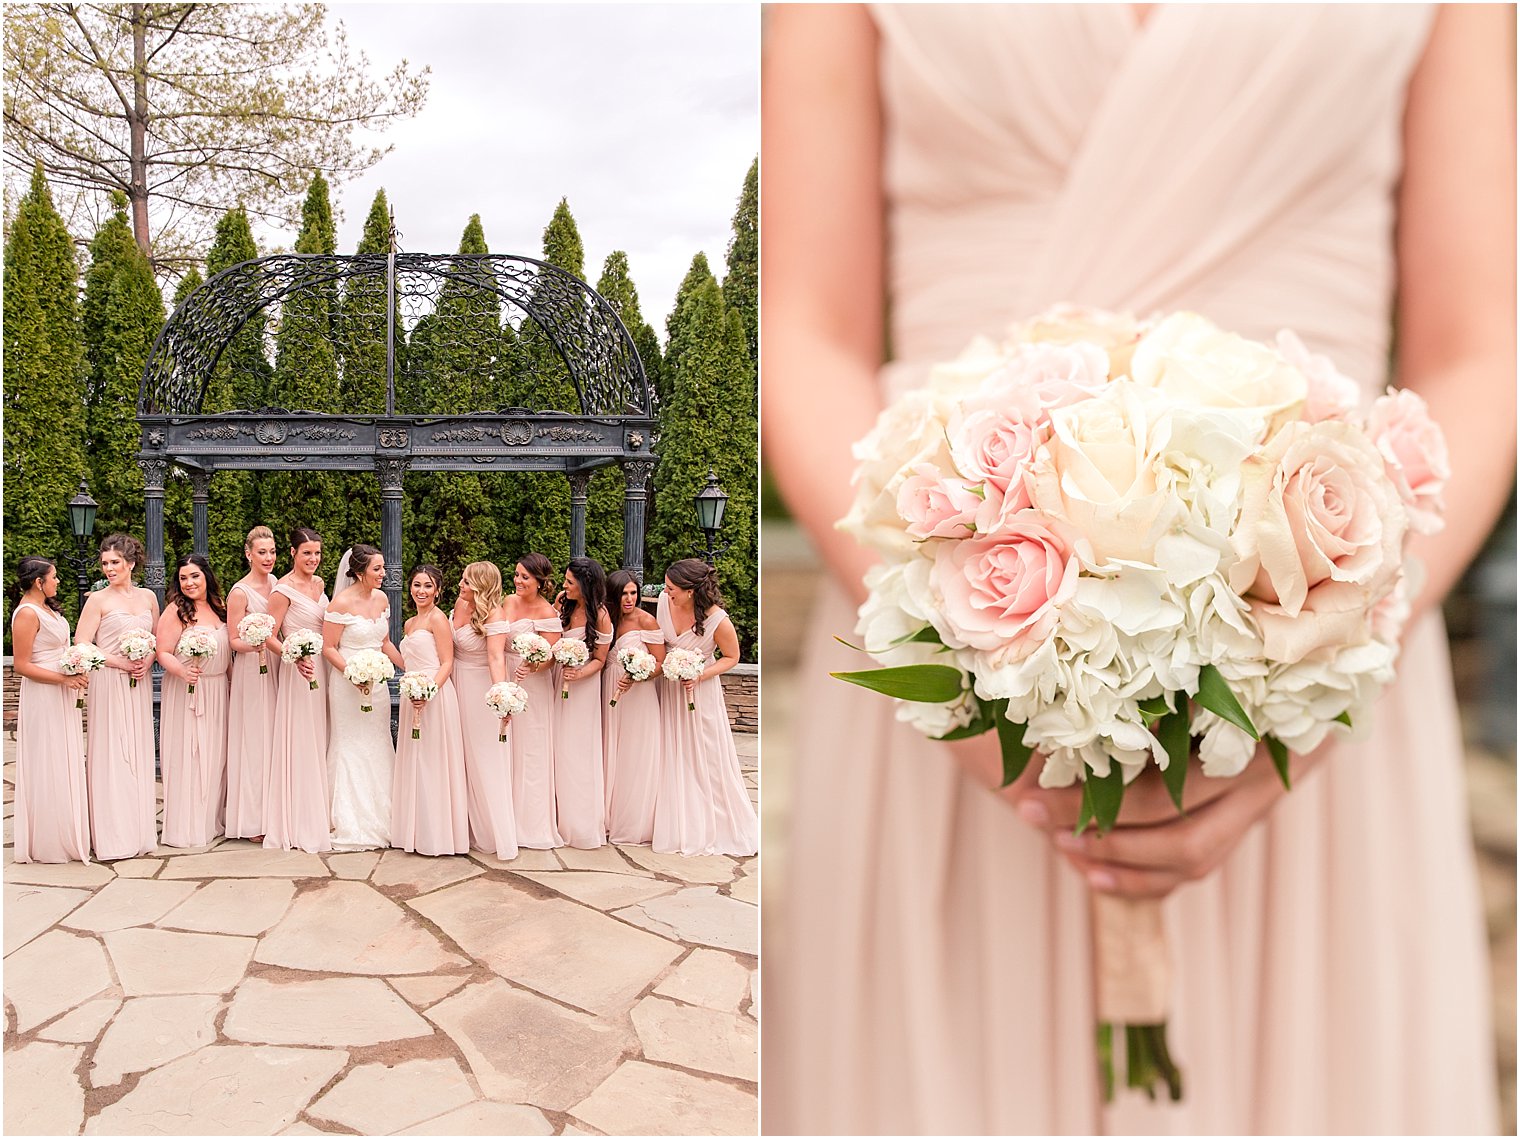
(360, 751)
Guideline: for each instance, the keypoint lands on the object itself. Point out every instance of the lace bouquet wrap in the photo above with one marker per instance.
(682, 665)
(299, 645)
(195, 644)
(255, 629)
(137, 645)
(365, 669)
(1124, 544)
(506, 699)
(417, 686)
(79, 659)
(569, 653)
(637, 664)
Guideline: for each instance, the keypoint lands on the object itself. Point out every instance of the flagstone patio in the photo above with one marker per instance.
(233, 990)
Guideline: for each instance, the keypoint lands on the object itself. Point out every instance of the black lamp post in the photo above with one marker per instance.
(82, 522)
(710, 502)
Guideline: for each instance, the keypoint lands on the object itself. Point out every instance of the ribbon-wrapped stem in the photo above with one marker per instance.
(1134, 984)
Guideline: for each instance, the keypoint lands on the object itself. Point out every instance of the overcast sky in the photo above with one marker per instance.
(645, 117)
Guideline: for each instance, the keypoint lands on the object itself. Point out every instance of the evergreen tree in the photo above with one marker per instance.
(741, 282)
(44, 387)
(696, 276)
(306, 379)
(709, 423)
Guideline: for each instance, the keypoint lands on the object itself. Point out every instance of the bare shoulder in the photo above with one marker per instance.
(646, 620)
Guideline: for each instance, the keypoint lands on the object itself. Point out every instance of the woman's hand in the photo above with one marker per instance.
(79, 680)
(193, 670)
(136, 669)
(419, 705)
(623, 685)
(307, 667)
(691, 687)
(572, 674)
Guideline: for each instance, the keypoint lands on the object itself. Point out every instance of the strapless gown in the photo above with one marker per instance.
(632, 745)
(580, 797)
(361, 756)
(250, 731)
(192, 734)
(119, 754)
(52, 810)
(487, 758)
(429, 807)
(937, 971)
(532, 738)
(296, 813)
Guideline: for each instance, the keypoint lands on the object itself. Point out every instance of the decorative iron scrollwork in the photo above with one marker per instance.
(636, 474)
(635, 440)
(393, 437)
(517, 433)
(391, 472)
(154, 472)
(569, 434)
(153, 576)
(156, 438)
(319, 434)
(223, 431)
(270, 432)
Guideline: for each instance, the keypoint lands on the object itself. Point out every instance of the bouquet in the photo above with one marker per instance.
(683, 665)
(364, 670)
(506, 700)
(81, 658)
(532, 648)
(256, 628)
(638, 664)
(137, 645)
(570, 653)
(195, 644)
(417, 686)
(300, 644)
(1120, 543)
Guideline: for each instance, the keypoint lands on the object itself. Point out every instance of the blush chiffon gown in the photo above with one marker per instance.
(487, 759)
(580, 797)
(52, 810)
(296, 812)
(532, 740)
(429, 807)
(631, 744)
(250, 732)
(192, 734)
(119, 757)
(936, 969)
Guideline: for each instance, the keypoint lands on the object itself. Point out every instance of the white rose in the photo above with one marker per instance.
(1116, 334)
(910, 432)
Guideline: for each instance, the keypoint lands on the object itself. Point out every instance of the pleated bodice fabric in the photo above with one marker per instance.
(119, 754)
(250, 731)
(487, 759)
(1239, 162)
(631, 743)
(52, 810)
(193, 750)
(297, 814)
(580, 796)
(429, 811)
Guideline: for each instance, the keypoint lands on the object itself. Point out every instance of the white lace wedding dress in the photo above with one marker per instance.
(360, 751)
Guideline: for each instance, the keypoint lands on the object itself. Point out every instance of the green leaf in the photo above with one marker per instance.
(1344, 718)
(1107, 796)
(1279, 753)
(1215, 695)
(928, 635)
(920, 683)
(1173, 734)
(1153, 709)
(847, 645)
(1011, 738)
(1085, 815)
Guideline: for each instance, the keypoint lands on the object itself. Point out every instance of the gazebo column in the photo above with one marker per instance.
(391, 472)
(636, 473)
(154, 472)
(200, 494)
(580, 491)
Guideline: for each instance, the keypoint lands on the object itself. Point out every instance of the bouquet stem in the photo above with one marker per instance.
(365, 704)
(313, 684)
(263, 664)
(131, 682)
(416, 723)
(79, 702)
(502, 738)
(1134, 981)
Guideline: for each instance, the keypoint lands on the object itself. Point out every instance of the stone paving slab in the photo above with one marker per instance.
(138, 867)
(128, 902)
(350, 927)
(483, 1117)
(601, 890)
(358, 864)
(84, 1024)
(242, 860)
(641, 1099)
(723, 1043)
(701, 869)
(42, 1095)
(700, 914)
(605, 858)
(421, 873)
(52, 974)
(424, 991)
(90, 875)
(708, 978)
(159, 961)
(32, 910)
(236, 906)
(151, 1031)
(525, 860)
(339, 1011)
(379, 1099)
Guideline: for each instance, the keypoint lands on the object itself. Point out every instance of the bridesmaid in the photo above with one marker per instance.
(52, 810)
(192, 727)
(250, 711)
(703, 805)
(487, 761)
(429, 805)
(119, 758)
(580, 796)
(532, 735)
(631, 730)
(295, 794)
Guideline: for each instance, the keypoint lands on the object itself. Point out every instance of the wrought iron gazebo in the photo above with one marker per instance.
(459, 295)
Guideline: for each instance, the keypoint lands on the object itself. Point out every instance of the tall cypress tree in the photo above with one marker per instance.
(708, 423)
(44, 386)
(741, 281)
(306, 379)
(696, 276)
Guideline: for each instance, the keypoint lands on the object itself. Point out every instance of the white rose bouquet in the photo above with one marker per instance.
(300, 644)
(365, 669)
(256, 628)
(195, 644)
(638, 665)
(506, 700)
(570, 653)
(80, 659)
(682, 665)
(1118, 543)
(417, 686)
(137, 645)
(532, 648)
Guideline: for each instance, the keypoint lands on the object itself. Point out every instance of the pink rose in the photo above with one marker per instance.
(1331, 395)
(1414, 450)
(935, 506)
(1002, 593)
(995, 446)
(1057, 374)
(1320, 537)
(1116, 334)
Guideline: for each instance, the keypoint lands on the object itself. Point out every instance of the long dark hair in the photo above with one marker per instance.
(183, 606)
(592, 579)
(542, 570)
(29, 571)
(617, 581)
(702, 579)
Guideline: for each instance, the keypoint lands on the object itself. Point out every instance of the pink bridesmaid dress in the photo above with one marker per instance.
(119, 760)
(631, 745)
(250, 732)
(532, 740)
(52, 809)
(580, 798)
(487, 760)
(192, 733)
(703, 806)
(296, 809)
(429, 805)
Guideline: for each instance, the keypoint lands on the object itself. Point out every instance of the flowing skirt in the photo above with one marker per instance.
(52, 809)
(429, 804)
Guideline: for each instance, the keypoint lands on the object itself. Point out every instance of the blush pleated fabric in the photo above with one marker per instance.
(52, 810)
(119, 753)
(250, 731)
(936, 974)
(532, 740)
(297, 808)
(487, 759)
(429, 805)
(632, 745)
(580, 796)
(193, 751)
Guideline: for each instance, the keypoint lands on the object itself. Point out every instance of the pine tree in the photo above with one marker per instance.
(694, 279)
(741, 282)
(709, 423)
(306, 379)
(44, 387)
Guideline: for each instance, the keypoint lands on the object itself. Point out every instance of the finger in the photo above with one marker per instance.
(1129, 882)
(1172, 849)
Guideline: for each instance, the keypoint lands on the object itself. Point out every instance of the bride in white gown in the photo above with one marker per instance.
(360, 751)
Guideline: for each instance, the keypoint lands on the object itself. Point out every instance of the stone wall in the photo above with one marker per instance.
(741, 692)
